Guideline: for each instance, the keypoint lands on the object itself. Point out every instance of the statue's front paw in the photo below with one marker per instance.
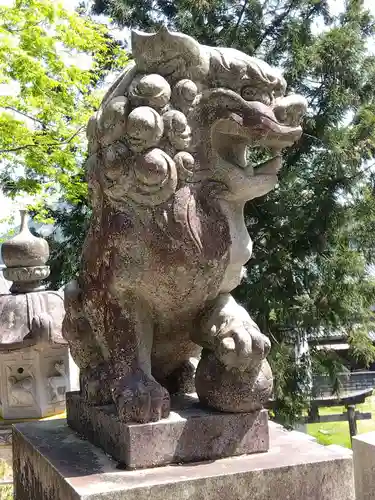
(241, 346)
(139, 398)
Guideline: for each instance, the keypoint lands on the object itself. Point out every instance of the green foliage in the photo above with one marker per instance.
(291, 389)
(327, 362)
(314, 235)
(65, 250)
(52, 65)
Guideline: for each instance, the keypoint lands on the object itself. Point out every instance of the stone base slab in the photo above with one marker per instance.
(364, 465)
(189, 434)
(52, 463)
(6, 454)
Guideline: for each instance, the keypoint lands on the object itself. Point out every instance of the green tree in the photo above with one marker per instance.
(52, 66)
(314, 235)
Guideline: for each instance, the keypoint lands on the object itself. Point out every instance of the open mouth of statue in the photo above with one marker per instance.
(254, 143)
(270, 163)
(254, 158)
(249, 142)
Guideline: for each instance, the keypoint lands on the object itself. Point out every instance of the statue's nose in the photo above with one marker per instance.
(289, 110)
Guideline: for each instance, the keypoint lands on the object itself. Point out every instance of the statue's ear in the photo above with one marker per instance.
(170, 54)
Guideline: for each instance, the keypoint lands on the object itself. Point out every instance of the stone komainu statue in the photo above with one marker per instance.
(168, 179)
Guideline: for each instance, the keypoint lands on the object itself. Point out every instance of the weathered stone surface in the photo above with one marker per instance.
(364, 466)
(52, 463)
(168, 180)
(189, 434)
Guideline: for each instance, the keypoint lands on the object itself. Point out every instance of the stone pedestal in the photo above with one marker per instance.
(52, 463)
(364, 466)
(189, 434)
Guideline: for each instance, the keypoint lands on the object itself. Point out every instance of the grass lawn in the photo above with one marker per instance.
(5, 491)
(338, 432)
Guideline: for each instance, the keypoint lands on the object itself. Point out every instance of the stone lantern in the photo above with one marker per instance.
(36, 369)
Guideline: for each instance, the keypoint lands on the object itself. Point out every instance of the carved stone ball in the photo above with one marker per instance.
(175, 121)
(114, 111)
(113, 157)
(185, 165)
(184, 93)
(177, 129)
(152, 168)
(150, 90)
(232, 390)
(144, 129)
(112, 120)
(155, 177)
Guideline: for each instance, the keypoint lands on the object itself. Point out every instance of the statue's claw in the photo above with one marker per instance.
(228, 331)
(241, 346)
(139, 398)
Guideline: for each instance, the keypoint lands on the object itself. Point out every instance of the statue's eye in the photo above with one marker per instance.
(249, 93)
(254, 94)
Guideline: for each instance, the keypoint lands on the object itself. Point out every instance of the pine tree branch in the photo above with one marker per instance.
(279, 20)
(355, 176)
(273, 11)
(275, 24)
(239, 20)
